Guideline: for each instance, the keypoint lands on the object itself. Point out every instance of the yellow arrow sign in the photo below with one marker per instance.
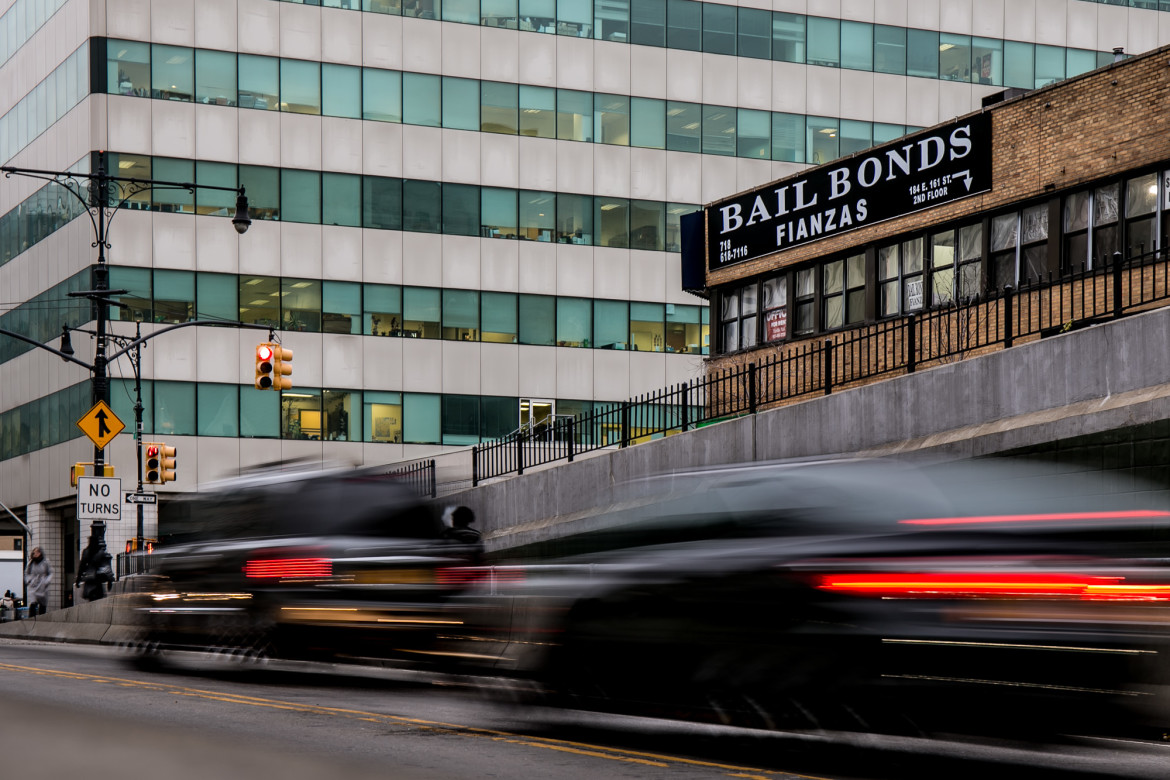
(100, 424)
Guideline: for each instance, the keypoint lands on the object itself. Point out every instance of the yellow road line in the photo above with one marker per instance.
(568, 746)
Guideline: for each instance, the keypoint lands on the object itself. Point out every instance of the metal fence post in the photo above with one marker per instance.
(434, 479)
(625, 423)
(1008, 295)
(686, 404)
(572, 426)
(475, 465)
(911, 343)
(520, 453)
(827, 366)
(1117, 257)
(752, 388)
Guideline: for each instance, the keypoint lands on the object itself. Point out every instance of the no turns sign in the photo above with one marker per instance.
(99, 498)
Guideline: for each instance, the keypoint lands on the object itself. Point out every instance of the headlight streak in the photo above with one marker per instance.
(1019, 646)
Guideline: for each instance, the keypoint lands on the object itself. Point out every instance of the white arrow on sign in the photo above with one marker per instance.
(965, 176)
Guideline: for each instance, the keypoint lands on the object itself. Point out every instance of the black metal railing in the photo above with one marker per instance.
(420, 476)
(952, 331)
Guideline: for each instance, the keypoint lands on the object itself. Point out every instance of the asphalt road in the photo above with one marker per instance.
(70, 711)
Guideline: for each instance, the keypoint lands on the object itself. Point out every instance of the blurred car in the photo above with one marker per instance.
(851, 595)
(334, 565)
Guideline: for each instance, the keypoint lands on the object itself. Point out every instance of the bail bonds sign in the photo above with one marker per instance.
(941, 165)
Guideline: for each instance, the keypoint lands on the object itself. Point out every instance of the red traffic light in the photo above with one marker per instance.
(264, 352)
(152, 451)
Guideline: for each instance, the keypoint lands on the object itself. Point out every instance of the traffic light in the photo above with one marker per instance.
(273, 366)
(282, 368)
(265, 357)
(160, 463)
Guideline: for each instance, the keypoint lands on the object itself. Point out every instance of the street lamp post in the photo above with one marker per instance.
(101, 195)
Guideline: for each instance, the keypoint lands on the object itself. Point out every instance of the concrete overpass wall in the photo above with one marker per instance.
(1109, 376)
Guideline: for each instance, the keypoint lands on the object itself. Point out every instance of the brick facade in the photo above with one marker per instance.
(1097, 127)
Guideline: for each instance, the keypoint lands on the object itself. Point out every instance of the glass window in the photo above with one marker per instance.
(538, 320)
(538, 16)
(128, 68)
(538, 112)
(611, 324)
(575, 17)
(381, 203)
(341, 90)
(465, 11)
(788, 131)
(883, 133)
(300, 196)
(498, 213)
(420, 312)
(382, 417)
(788, 34)
(422, 207)
(922, 50)
(775, 307)
(461, 315)
(499, 108)
(460, 209)
(987, 61)
(300, 414)
(341, 307)
(1019, 68)
(833, 294)
(301, 304)
(259, 414)
(648, 22)
(218, 202)
(460, 419)
(954, 57)
(823, 142)
(421, 9)
(648, 123)
(574, 322)
(172, 73)
(611, 20)
(684, 126)
(498, 13)
(719, 28)
(174, 408)
(421, 99)
(753, 134)
(611, 117)
(1049, 64)
(719, 130)
(300, 87)
(341, 199)
(856, 45)
(259, 82)
(337, 411)
(648, 327)
(574, 115)
(383, 309)
(173, 199)
(537, 215)
(684, 20)
(1141, 202)
(498, 317)
(217, 296)
(215, 77)
(1078, 61)
(942, 262)
(574, 219)
(217, 409)
(755, 34)
(421, 415)
(174, 296)
(1034, 240)
(1105, 228)
(824, 41)
(855, 136)
(461, 103)
(137, 282)
(647, 225)
(260, 300)
(497, 416)
(889, 49)
(382, 95)
(612, 218)
(683, 329)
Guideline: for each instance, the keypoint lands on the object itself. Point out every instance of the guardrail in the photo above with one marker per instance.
(419, 475)
(847, 358)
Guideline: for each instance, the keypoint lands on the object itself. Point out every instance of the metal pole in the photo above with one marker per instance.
(138, 431)
(101, 283)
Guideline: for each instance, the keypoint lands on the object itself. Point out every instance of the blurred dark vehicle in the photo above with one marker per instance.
(333, 566)
(856, 595)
